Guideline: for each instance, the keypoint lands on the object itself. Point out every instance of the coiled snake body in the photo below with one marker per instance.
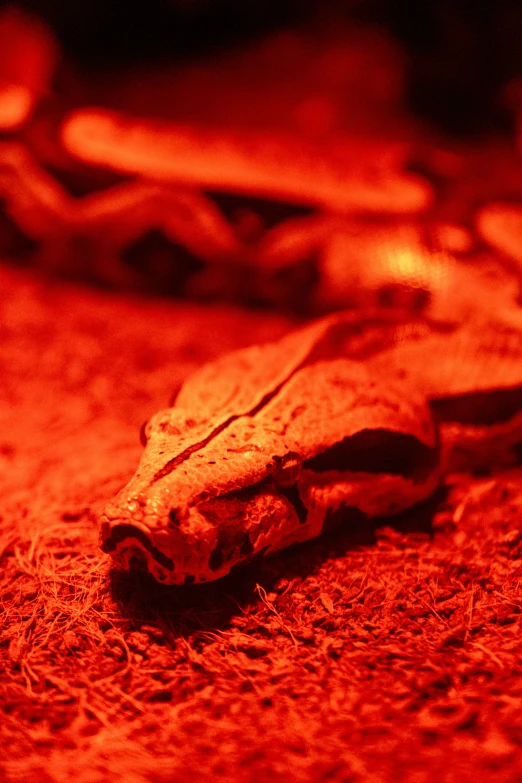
(354, 416)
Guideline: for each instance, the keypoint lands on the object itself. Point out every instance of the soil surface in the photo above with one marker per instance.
(386, 653)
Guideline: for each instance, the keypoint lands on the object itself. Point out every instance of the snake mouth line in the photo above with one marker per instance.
(125, 531)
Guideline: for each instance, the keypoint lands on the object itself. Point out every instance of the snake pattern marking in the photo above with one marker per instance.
(354, 416)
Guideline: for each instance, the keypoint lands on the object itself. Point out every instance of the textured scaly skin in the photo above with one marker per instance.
(269, 445)
(228, 471)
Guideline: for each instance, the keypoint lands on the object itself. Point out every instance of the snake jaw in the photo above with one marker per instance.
(193, 544)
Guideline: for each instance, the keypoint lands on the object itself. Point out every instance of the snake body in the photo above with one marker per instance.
(355, 416)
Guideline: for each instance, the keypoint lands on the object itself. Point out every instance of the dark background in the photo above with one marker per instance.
(462, 53)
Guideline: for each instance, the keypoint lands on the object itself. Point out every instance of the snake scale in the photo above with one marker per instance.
(358, 415)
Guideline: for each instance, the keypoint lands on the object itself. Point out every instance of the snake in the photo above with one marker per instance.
(353, 417)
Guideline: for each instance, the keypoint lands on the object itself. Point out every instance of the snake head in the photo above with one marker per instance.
(203, 502)
(208, 497)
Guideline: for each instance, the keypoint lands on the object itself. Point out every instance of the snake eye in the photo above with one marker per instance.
(287, 469)
(143, 433)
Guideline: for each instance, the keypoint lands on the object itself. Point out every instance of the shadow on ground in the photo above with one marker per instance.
(209, 607)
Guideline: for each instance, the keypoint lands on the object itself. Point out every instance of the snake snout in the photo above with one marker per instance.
(133, 548)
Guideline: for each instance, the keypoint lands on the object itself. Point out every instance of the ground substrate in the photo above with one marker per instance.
(383, 653)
